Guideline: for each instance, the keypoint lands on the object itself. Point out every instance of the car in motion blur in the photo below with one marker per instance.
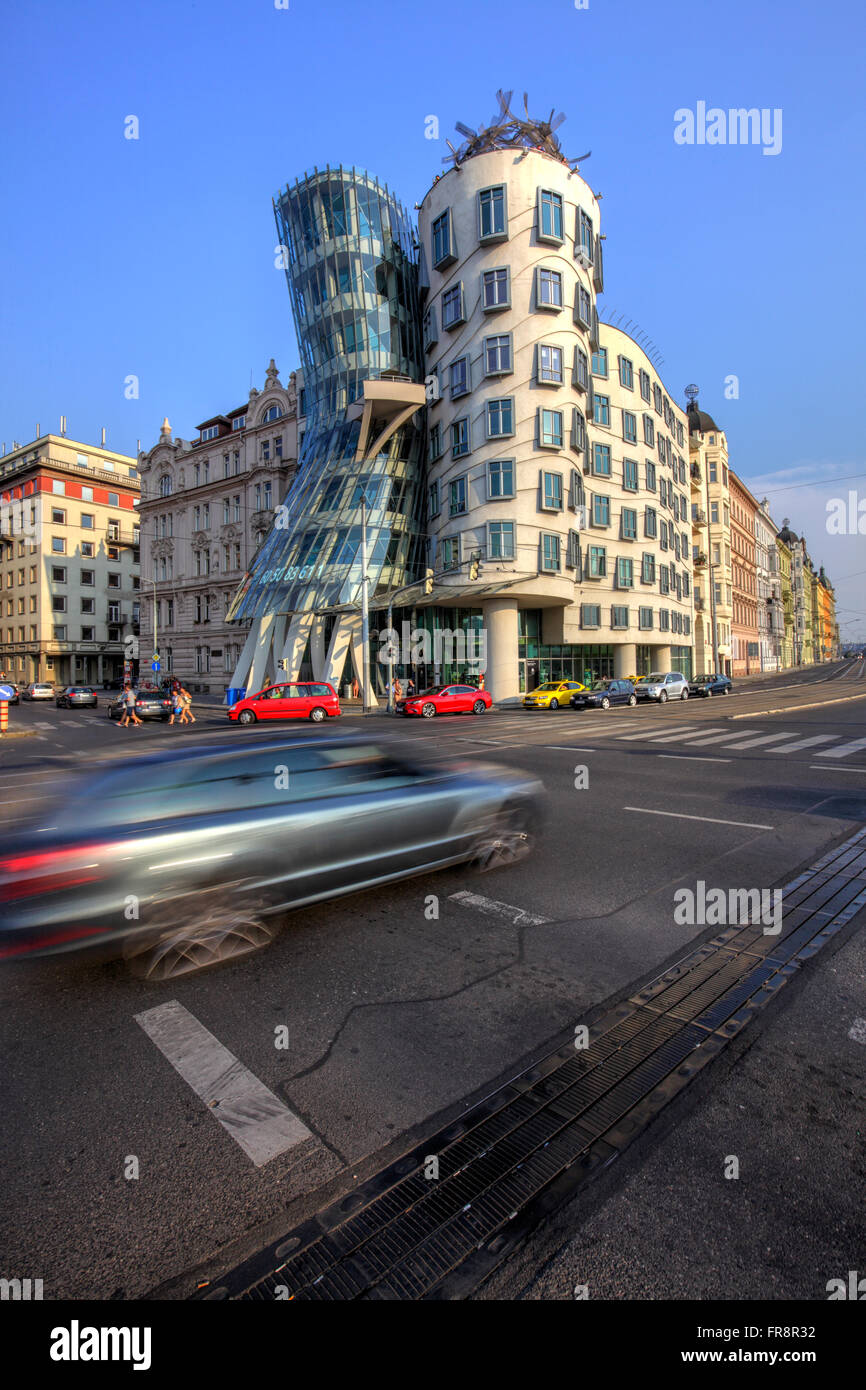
(181, 860)
(446, 699)
(552, 694)
(149, 704)
(712, 684)
(662, 686)
(76, 695)
(603, 694)
(39, 690)
(316, 700)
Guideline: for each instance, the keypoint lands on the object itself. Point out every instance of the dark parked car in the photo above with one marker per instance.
(213, 844)
(712, 684)
(76, 695)
(603, 694)
(149, 704)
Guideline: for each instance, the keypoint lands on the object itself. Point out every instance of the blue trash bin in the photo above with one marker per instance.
(235, 693)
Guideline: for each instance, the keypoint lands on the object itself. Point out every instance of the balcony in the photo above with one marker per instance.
(695, 470)
(122, 535)
(699, 517)
(699, 561)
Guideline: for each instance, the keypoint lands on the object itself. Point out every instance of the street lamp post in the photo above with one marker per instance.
(365, 609)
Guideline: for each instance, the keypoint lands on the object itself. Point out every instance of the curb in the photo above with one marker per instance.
(789, 709)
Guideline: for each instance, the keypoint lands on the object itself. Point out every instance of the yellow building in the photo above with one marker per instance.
(711, 541)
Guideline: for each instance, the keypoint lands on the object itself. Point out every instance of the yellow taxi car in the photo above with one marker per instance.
(552, 694)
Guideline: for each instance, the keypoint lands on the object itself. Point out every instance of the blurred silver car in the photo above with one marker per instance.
(187, 858)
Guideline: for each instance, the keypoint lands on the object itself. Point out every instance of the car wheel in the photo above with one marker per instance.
(318, 714)
(479, 707)
(215, 934)
(709, 694)
(428, 710)
(727, 690)
(554, 704)
(246, 716)
(503, 840)
(663, 697)
(632, 699)
(685, 694)
(605, 704)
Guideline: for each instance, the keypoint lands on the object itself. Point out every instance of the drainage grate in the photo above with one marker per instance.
(530, 1145)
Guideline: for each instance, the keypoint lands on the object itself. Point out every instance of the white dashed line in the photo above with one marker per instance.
(711, 820)
(491, 908)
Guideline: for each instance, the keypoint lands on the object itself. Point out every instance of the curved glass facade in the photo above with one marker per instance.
(352, 271)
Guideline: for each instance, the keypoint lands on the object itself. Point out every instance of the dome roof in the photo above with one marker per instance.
(700, 422)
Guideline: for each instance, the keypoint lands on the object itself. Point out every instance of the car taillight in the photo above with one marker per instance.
(26, 875)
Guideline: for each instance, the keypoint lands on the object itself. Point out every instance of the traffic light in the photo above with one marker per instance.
(283, 663)
(475, 567)
(428, 581)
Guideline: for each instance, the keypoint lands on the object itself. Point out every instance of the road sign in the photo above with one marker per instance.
(154, 666)
(155, 656)
(6, 692)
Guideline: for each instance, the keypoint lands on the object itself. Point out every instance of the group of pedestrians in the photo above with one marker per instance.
(181, 705)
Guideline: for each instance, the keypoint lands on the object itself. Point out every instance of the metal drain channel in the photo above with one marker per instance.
(524, 1149)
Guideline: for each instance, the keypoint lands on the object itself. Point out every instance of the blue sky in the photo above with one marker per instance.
(155, 257)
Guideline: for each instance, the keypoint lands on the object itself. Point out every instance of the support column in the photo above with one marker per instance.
(294, 644)
(625, 660)
(661, 659)
(502, 674)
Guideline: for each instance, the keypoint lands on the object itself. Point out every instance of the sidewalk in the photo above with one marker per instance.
(789, 1106)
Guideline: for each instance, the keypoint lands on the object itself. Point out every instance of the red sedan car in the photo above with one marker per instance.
(314, 700)
(446, 699)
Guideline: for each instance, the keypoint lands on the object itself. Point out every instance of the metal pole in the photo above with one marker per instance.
(365, 611)
(155, 643)
(390, 658)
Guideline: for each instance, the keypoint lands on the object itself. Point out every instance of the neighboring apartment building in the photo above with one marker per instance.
(771, 616)
(207, 505)
(711, 541)
(827, 617)
(784, 561)
(69, 561)
(746, 655)
(801, 595)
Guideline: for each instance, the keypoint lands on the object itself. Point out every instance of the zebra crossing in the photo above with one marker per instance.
(770, 742)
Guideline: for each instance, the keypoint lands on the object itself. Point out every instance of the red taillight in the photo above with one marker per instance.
(39, 943)
(27, 875)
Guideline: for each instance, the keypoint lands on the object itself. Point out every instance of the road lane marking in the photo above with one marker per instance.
(696, 734)
(712, 820)
(254, 1117)
(492, 908)
(825, 767)
(803, 743)
(567, 748)
(677, 728)
(845, 750)
(688, 758)
(764, 738)
(857, 1031)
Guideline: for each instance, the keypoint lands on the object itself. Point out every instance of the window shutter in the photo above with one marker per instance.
(598, 266)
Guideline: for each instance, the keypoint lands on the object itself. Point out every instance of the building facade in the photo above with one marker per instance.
(746, 655)
(206, 507)
(783, 561)
(711, 541)
(771, 617)
(69, 561)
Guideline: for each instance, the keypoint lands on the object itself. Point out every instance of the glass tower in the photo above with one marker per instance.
(352, 270)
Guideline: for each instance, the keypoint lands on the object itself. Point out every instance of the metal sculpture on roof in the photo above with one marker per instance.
(508, 131)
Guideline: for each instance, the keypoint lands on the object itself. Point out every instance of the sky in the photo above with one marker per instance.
(154, 257)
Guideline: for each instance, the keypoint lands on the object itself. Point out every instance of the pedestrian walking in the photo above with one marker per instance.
(398, 689)
(186, 714)
(127, 700)
(176, 704)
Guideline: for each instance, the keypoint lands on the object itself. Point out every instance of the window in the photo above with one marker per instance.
(451, 552)
(601, 410)
(550, 429)
(237, 506)
(578, 429)
(435, 442)
(58, 486)
(629, 474)
(88, 605)
(278, 451)
(629, 427)
(584, 232)
(87, 550)
(601, 460)
(597, 562)
(58, 603)
(664, 580)
(267, 501)
(113, 580)
(551, 492)
(648, 570)
(266, 454)
(649, 523)
(626, 374)
(500, 540)
(58, 516)
(628, 524)
(58, 574)
(645, 618)
(714, 513)
(500, 417)
(459, 373)
(549, 216)
(583, 312)
(88, 577)
(492, 219)
(433, 499)
(657, 399)
(548, 292)
(599, 362)
(226, 504)
(550, 559)
(495, 292)
(58, 545)
(460, 438)
(644, 384)
(240, 421)
(618, 616)
(273, 412)
(590, 615)
(457, 497)
(580, 374)
(649, 431)
(500, 479)
(572, 553)
(431, 334)
(600, 510)
(452, 306)
(576, 497)
(497, 354)
(443, 248)
(165, 485)
(549, 364)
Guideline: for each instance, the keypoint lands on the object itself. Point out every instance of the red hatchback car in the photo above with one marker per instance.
(446, 699)
(314, 700)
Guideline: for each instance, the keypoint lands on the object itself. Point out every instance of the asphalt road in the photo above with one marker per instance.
(392, 1017)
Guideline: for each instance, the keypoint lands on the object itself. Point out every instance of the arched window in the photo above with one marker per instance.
(273, 412)
(165, 485)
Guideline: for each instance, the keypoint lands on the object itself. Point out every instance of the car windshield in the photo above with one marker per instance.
(551, 685)
(650, 680)
(434, 690)
(711, 676)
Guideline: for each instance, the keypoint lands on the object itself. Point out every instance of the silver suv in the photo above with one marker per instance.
(671, 685)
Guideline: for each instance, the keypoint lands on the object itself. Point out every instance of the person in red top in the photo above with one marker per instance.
(481, 685)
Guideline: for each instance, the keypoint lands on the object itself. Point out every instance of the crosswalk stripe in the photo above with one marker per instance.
(626, 738)
(764, 738)
(803, 743)
(694, 734)
(845, 750)
(714, 738)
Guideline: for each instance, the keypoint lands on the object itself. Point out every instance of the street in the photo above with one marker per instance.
(373, 1019)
